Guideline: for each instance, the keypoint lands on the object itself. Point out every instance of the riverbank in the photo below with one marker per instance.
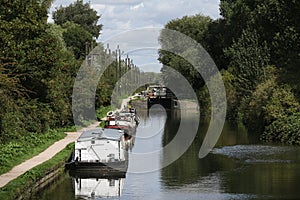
(237, 168)
(42, 157)
(17, 151)
(36, 178)
(36, 172)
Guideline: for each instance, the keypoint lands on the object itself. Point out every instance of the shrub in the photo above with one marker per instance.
(269, 102)
(285, 130)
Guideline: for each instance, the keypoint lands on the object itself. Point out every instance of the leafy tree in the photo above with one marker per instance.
(269, 102)
(81, 14)
(9, 91)
(194, 27)
(249, 58)
(32, 57)
(61, 80)
(275, 22)
(27, 47)
(216, 39)
(76, 38)
(284, 130)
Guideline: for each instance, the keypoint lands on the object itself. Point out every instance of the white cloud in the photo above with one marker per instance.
(118, 16)
(117, 2)
(135, 7)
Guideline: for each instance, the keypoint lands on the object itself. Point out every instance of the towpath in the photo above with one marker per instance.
(43, 156)
(124, 104)
(48, 153)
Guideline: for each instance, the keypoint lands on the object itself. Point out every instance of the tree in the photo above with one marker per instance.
(76, 39)
(26, 46)
(249, 59)
(216, 39)
(194, 27)
(81, 14)
(275, 22)
(36, 71)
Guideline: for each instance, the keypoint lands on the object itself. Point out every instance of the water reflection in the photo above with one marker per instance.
(148, 138)
(237, 168)
(99, 188)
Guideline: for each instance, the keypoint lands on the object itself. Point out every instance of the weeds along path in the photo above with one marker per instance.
(43, 156)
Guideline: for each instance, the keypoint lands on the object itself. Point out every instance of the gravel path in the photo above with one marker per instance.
(43, 156)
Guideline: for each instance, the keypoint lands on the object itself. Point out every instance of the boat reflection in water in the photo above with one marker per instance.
(91, 185)
(102, 188)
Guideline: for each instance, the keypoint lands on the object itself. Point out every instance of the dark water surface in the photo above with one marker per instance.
(238, 168)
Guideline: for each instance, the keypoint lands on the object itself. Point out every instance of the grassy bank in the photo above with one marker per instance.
(101, 112)
(15, 152)
(25, 182)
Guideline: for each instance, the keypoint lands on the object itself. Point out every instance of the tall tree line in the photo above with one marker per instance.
(256, 46)
(39, 64)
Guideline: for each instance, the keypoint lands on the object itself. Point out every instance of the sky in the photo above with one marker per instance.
(120, 17)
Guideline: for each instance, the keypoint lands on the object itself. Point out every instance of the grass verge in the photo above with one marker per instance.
(101, 112)
(16, 152)
(25, 182)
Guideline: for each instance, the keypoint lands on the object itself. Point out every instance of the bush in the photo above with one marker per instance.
(231, 95)
(269, 102)
(284, 130)
(102, 111)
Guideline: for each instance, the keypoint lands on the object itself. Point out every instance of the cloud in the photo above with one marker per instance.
(119, 16)
(135, 7)
(117, 2)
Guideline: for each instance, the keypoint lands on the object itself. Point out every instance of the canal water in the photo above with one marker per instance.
(239, 167)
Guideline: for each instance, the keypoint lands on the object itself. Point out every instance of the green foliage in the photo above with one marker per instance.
(204, 102)
(231, 94)
(37, 69)
(249, 58)
(250, 36)
(24, 43)
(102, 111)
(9, 90)
(103, 94)
(18, 150)
(285, 130)
(268, 103)
(273, 20)
(76, 39)
(216, 39)
(25, 182)
(194, 27)
(79, 13)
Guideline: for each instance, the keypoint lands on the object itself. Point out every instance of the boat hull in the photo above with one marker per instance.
(98, 169)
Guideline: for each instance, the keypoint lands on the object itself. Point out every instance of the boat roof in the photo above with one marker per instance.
(125, 113)
(101, 133)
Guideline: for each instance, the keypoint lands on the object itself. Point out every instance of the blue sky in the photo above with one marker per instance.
(119, 16)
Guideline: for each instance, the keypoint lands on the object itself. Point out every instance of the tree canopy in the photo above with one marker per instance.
(251, 36)
(194, 27)
(37, 68)
(79, 13)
